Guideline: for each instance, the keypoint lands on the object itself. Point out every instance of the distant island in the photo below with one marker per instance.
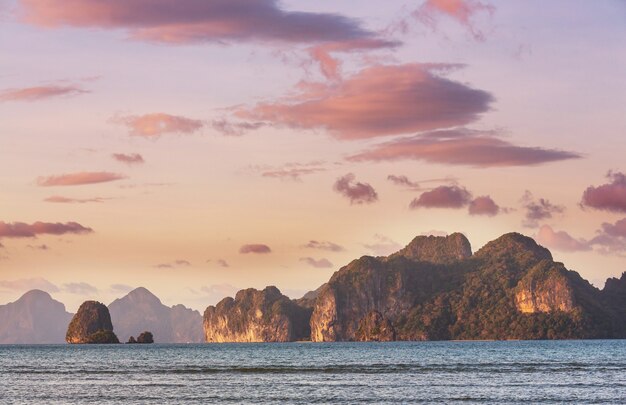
(433, 289)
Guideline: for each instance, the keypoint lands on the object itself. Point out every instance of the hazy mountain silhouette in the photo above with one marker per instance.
(34, 318)
(140, 310)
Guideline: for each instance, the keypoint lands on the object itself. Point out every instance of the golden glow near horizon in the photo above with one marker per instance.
(150, 152)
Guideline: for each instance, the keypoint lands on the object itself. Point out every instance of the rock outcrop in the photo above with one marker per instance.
(35, 318)
(140, 310)
(435, 289)
(256, 316)
(91, 324)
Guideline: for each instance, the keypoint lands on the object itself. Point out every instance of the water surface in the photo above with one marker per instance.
(340, 373)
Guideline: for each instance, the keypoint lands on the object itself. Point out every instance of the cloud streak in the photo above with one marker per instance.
(462, 146)
(128, 158)
(67, 200)
(156, 124)
(40, 93)
(379, 100)
(356, 192)
(324, 245)
(24, 230)
(79, 178)
(255, 248)
(322, 263)
(461, 11)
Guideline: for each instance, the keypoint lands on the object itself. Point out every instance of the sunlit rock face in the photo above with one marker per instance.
(256, 316)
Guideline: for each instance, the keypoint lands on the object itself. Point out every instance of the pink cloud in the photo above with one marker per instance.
(319, 264)
(538, 209)
(255, 248)
(324, 245)
(356, 192)
(129, 159)
(462, 146)
(377, 101)
(607, 197)
(230, 128)
(184, 21)
(443, 197)
(67, 200)
(26, 284)
(483, 205)
(24, 230)
(39, 93)
(157, 124)
(560, 240)
(80, 178)
(462, 11)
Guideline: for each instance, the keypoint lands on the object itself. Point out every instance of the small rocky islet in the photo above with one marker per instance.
(91, 324)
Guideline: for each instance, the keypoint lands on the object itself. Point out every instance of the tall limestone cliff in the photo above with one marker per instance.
(140, 310)
(256, 316)
(434, 289)
(91, 324)
(35, 318)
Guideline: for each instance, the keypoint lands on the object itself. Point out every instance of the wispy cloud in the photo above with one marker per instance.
(79, 178)
(24, 230)
(68, 200)
(40, 93)
(26, 284)
(324, 245)
(81, 288)
(322, 263)
(157, 124)
(174, 264)
(128, 158)
(461, 11)
(382, 245)
(443, 197)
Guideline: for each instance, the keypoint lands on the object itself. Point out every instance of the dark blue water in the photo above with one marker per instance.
(403, 372)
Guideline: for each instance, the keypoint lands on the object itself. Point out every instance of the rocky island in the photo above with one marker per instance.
(257, 316)
(433, 289)
(91, 324)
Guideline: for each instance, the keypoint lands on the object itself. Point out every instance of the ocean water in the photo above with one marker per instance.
(339, 373)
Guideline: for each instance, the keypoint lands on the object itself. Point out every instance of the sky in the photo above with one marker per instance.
(198, 147)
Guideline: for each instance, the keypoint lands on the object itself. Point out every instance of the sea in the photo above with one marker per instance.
(502, 372)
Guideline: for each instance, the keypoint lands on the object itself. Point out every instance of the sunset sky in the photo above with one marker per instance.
(197, 147)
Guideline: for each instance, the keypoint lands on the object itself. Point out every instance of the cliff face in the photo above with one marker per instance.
(91, 324)
(256, 316)
(140, 310)
(389, 286)
(545, 290)
(35, 318)
(434, 289)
